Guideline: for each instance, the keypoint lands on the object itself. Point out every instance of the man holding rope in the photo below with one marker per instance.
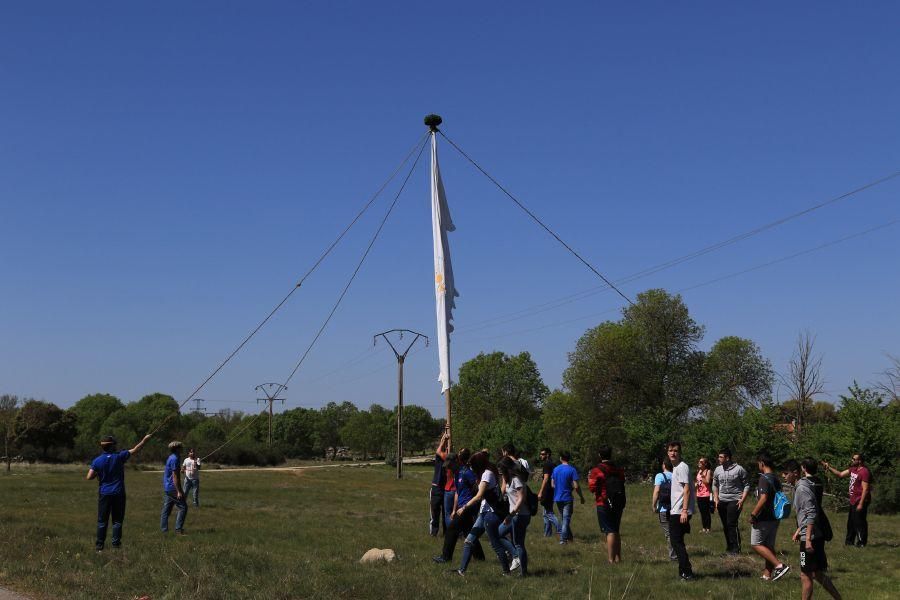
(109, 469)
(172, 494)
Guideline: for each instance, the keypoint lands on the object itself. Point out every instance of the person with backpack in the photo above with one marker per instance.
(662, 499)
(491, 512)
(730, 486)
(521, 505)
(465, 485)
(607, 482)
(764, 520)
(813, 528)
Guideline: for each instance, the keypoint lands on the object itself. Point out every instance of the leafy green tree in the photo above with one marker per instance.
(46, 427)
(90, 413)
(332, 417)
(420, 429)
(295, 431)
(494, 387)
(737, 375)
(639, 375)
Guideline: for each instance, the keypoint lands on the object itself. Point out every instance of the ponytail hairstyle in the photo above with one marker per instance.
(510, 468)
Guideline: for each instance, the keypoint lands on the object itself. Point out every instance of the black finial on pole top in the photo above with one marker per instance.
(433, 121)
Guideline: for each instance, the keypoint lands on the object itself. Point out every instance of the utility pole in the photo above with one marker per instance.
(271, 398)
(401, 358)
(197, 408)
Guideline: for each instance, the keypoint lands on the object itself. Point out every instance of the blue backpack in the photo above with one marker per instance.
(781, 504)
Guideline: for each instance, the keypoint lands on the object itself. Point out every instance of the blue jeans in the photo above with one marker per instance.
(565, 527)
(517, 527)
(448, 508)
(192, 484)
(549, 520)
(170, 501)
(490, 523)
(110, 506)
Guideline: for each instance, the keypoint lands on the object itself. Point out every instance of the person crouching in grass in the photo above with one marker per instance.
(109, 470)
(808, 508)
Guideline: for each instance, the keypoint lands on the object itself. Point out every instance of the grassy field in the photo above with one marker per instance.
(300, 534)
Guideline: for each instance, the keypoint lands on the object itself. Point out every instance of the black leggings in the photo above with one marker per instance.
(705, 515)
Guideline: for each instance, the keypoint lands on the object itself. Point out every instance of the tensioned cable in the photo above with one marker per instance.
(702, 284)
(299, 283)
(536, 219)
(334, 308)
(241, 430)
(549, 305)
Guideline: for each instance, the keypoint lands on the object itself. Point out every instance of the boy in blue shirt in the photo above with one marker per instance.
(564, 481)
(172, 495)
(109, 470)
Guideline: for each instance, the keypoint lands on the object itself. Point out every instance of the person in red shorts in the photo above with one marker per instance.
(860, 494)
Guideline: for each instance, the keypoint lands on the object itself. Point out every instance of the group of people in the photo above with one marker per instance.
(472, 496)
(179, 479)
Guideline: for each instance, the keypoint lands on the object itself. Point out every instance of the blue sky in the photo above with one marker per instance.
(168, 171)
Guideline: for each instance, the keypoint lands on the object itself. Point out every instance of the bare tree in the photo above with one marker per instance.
(890, 382)
(12, 429)
(804, 378)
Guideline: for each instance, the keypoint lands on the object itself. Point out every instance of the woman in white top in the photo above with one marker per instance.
(514, 477)
(488, 496)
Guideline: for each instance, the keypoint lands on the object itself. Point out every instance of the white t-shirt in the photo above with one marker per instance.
(191, 468)
(514, 490)
(491, 480)
(681, 475)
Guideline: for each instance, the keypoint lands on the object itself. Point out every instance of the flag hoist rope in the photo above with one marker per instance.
(418, 146)
(421, 148)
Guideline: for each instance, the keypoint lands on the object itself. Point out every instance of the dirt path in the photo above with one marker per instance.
(6, 594)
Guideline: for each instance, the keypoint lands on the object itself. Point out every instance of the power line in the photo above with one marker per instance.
(704, 283)
(564, 300)
(359, 265)
(299, 283)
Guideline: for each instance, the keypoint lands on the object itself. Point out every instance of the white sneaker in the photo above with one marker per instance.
(515, 564)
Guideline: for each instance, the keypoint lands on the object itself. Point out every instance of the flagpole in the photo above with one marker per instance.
(433, 121)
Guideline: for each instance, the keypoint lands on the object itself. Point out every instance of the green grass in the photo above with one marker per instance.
(300, 534)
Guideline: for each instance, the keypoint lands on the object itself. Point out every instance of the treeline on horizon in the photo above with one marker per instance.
(633, 384)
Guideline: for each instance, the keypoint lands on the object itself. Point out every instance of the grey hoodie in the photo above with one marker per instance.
(806, 507)
(730, 481)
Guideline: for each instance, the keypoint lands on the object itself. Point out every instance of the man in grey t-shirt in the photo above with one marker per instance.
(730, 487)
(682, 506)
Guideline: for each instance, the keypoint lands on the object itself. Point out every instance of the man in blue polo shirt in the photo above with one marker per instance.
(172, 495)
(565, 481)
(109, 470)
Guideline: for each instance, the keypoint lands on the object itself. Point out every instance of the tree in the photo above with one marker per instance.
(804, 379)
(420, 429)
(737, 375)
(494, 387)
(889, 384)
(14, 428)
(295, 431)
(642, 372)
(43, 425)
(91, 412)
(332, 417)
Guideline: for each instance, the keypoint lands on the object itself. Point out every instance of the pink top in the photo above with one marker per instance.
(702, 488)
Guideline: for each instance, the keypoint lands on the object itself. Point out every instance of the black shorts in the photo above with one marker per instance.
(813, 561)
(609, 519)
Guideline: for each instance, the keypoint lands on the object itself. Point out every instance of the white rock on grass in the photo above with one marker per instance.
(377, 554)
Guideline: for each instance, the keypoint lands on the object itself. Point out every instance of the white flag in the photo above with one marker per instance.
(444, 290)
